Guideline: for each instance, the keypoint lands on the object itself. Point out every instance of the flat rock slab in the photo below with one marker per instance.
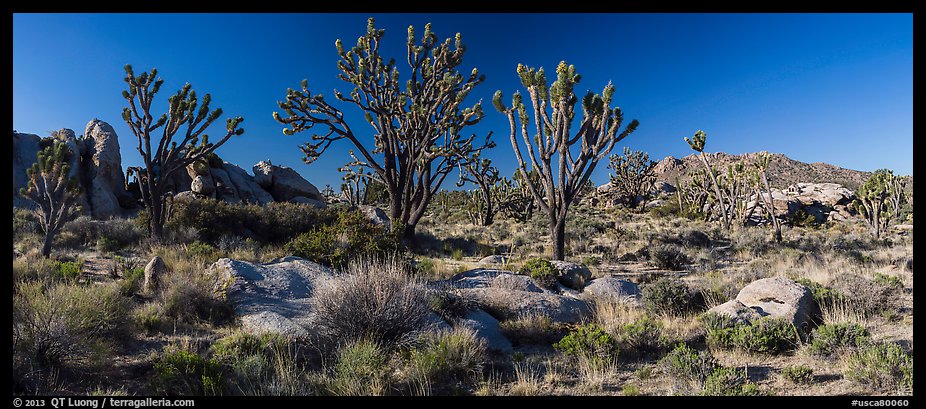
(612, 289)
(487, 277)
(488, 329)
(274, 296)
(509, 304)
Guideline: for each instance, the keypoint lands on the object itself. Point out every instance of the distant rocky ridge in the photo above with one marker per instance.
(782, 170)
(97, 163)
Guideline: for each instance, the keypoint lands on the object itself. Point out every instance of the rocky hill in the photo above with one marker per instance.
(782, 171)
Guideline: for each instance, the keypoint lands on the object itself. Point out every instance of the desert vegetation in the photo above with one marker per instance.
(721, 285)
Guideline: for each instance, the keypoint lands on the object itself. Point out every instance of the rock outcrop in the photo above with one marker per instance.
(103, 168)
(273, 297)
(246, 186)
(611, 289)
(571, 275)
(775, 297)
(284, 183)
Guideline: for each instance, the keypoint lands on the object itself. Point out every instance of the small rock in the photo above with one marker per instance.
(496, 259)
(154, 270)
(487, 328)
(571, 275)
(612, 289)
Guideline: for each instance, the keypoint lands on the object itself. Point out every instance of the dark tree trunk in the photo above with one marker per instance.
(46, 245)
(558, 233)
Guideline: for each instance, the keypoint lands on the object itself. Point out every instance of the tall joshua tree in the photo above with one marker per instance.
(417, 123)
(577, 154)
(760, 182)
(481, 172)
(697, 144)
(169, 155)
(53, 190)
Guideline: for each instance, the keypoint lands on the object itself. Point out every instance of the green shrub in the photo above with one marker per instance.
(829, 339)
(667, 296)
(132, 280)
(765, 335)
(888, 281)
(883, 366)
(68, 270)
(353, 235)
(361, 370)
(242, 344)
(822, 294)
(642, 335)
(669, 257)
(202, 251)
(728, 382)
(630, 390)
(589, 341)
(151, 318)
(801, 218)
(541, 270)
(192, 298)
(65, 325)
(448, 356)
(180, 372)
(798, 374)
(687, 363)
(107, 235)
(260, 365)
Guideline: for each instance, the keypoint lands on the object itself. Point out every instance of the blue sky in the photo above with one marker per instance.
(835, 88)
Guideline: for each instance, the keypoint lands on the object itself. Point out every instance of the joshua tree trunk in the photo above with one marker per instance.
(46, 245)
(720, 201)
(558, 233)
(771, 208)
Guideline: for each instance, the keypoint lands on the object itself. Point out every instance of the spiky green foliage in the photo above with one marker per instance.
(633, 176)
(577, 153)
(187, 115)
(879, 199)
(515, 198)
(417, 137)
(53, 190)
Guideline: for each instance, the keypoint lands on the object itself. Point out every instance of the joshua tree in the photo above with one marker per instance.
(355, 184)
(514, 196)
(874, 199)
(577, 154)
(633, 176)
(697, 145)
(53, 190)
(483, 201)
(417, 123)
(170, 155)
(760, 182)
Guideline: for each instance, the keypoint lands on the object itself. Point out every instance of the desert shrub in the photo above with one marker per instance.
(798, 374)
(630, 390)
(541, 271)
(376, 299)
(68, 270)
(589, 341)
(829, 339)
(822, 294)
(686, 363)
(353, 235)
(361, 370)
(181, 372)
(24, 222)
(151, 318)
(444, 356)
(642, 335)
(260, 365)
(892, 282)
(866, 295)
(883, 366)
(801, 218)
(532, 329)
(131, 281)
(31, 267)
(107, 235)
(193, 297)
(274, 222)
(728, 382)
(64, 326)
(202, 251)
(669, 257)
(667, 296)
(764, 335)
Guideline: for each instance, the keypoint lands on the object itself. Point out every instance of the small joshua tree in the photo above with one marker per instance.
(53, 190)
(697, 144)
(169, 156)
(515, 198)
(577, 154)
(874, 200)
(633, 176)
(483, 201)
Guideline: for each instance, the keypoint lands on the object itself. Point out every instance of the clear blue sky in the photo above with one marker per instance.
(835, 88)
